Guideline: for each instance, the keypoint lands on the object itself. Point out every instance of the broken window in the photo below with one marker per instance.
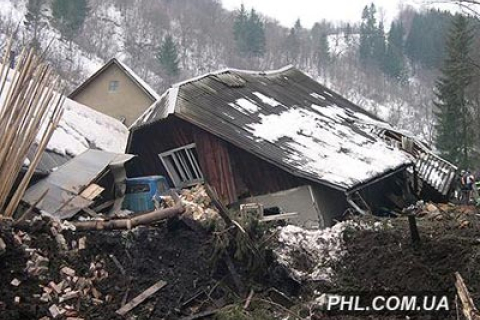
(182, 166)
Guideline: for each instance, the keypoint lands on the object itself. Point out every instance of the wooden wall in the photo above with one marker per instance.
(233, 172)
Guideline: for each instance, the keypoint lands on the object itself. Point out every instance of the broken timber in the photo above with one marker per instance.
(222, 210)
(144, 219)
(140, 298)
(468, 307)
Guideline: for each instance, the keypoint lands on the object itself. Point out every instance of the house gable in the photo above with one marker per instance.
(115, 91)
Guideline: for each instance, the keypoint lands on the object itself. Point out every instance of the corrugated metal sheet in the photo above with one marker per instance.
(49, 160)
(65, 184)
(212, 103)
(431, 169)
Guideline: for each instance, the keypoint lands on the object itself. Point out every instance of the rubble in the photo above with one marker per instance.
(55, 311)
(37, 265)
(309, 254)
(197, 203)
(15, 282)
(102, 274)
(3, 247)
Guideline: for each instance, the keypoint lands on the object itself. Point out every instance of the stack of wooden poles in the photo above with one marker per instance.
(30, 111)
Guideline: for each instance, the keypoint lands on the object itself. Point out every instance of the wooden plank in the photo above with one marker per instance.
(140, 298)
(282, 216)
(92, 191)
(104, 206)
(90, 212)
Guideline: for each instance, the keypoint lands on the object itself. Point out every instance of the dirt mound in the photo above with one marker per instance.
(176, 255)
(387, 261)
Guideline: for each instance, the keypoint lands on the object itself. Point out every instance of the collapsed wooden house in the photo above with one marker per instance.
(276, 137)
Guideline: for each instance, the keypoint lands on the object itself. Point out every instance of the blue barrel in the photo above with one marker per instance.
(141, 191)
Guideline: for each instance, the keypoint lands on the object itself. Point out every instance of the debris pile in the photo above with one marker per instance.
(198, 204)
(63, 289)
(460, 215)
(64, 297)
(309, 254)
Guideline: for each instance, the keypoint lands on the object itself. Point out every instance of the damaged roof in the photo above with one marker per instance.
(61, 192)
(286, 118)
(80, 128)
(83, 128)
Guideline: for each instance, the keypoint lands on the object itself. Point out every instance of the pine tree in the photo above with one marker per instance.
(69, 16)
(292, 46)
(425, 42)
(240, 30)
(348, 33)
(167, 56)
(298, 25)
(35, 20)
(322, 53)
(379, 46)
(394, 58)
(454, 125)
(256, 35)
(368, 34)
(249, 33)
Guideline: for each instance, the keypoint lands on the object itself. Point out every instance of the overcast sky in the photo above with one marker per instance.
(311, 11)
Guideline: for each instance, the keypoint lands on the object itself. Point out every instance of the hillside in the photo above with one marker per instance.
(203, 32)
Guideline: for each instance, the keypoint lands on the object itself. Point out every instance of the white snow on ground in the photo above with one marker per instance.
(329, 143)
(13, 13)
(317, 96)
(309, 254)
(339, 44)
(9, 10)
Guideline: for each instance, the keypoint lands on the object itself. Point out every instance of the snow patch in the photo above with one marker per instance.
(329, 144)
(309, 254)
(318, 96)
(245, 106)
(80, 128)
(267, 100)
(83, 128)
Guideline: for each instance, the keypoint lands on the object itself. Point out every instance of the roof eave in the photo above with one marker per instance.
(101, 70)
(378, 178)
(90, 79)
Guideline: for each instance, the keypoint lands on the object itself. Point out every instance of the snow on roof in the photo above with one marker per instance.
(83, 128)
(288, 119)
(334, 152)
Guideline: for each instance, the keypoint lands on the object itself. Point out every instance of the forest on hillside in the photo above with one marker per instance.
(391, 70)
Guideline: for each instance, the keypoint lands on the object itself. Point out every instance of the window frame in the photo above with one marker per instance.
(183, 171)
(113, 88)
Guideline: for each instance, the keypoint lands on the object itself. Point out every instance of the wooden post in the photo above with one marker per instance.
(412, 223)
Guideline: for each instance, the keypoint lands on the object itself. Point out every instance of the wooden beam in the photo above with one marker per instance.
(140, 298)
(468, 307)
(222, 210)
(144, 219)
